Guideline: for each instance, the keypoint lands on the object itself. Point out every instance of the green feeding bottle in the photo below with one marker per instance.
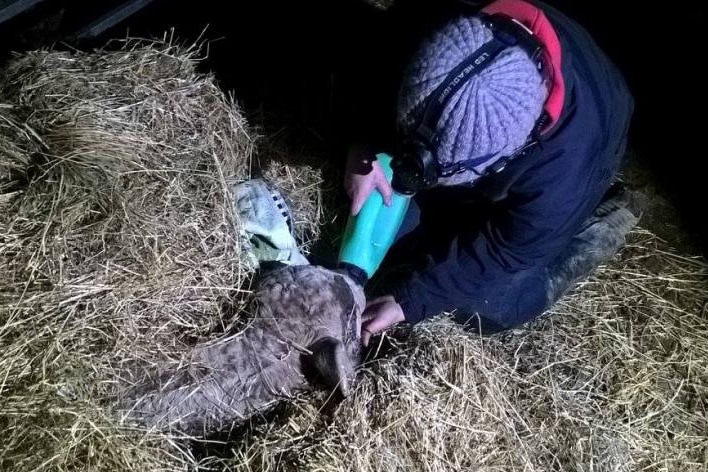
(370, 234)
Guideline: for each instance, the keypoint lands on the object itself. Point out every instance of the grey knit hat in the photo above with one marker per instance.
(492, 114)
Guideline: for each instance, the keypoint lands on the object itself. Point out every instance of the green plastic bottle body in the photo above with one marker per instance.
(370, 234)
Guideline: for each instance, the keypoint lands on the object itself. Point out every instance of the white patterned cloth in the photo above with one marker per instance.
(265, 218)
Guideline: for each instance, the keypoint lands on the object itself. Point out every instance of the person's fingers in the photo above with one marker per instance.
(375, 326)
(358, 200)
(379, 300)
(370, 329)
(370, 313)
(384, 187)
(365, 336)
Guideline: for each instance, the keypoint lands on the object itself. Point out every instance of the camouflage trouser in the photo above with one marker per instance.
(529, 293)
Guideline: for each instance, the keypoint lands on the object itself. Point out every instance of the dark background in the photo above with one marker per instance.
(284, 60)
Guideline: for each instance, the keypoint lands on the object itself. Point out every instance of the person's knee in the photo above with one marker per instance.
(505, 311)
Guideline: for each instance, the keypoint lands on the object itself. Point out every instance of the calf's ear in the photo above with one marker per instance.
(329, 365)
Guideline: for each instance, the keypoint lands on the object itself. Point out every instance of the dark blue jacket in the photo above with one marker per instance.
(525, 215)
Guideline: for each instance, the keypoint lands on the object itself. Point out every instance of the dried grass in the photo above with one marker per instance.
(118, 248)
(614, 379)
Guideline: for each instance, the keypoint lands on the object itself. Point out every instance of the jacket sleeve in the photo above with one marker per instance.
(542, 211)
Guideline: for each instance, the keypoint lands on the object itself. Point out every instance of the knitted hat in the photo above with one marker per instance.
(492, 114)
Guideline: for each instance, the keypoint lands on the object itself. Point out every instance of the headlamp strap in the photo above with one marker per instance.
(454, 81)
(507, 33)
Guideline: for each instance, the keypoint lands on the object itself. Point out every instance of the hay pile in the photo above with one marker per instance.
(615, 379)
(118, 249)
(118, 245)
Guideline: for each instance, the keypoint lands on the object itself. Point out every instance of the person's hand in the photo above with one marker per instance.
(380, 314)
(364, 175)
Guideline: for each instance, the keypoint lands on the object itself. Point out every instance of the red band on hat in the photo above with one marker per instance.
(534, 19)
